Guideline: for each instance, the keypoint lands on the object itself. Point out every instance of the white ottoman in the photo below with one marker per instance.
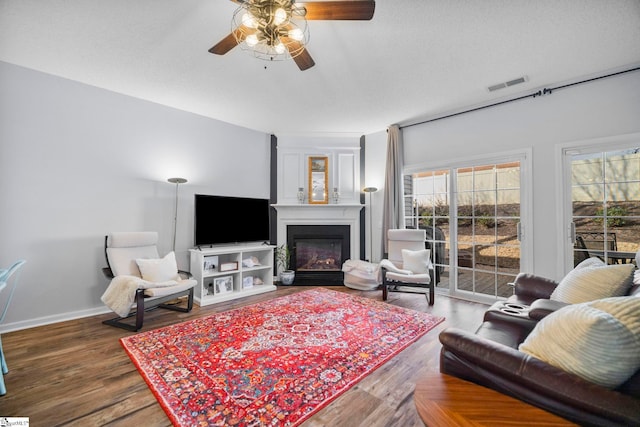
(361, 275)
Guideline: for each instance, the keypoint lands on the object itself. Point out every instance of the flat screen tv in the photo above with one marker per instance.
(224, 219)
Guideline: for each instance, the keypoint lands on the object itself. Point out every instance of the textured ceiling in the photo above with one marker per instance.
(415, 59)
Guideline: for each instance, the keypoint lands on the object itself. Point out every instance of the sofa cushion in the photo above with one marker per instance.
(592, 280)
(159, 270)
(598, 341)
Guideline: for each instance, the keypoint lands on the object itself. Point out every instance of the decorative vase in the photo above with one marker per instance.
(336, 195)
(287, 276)
(300, 195)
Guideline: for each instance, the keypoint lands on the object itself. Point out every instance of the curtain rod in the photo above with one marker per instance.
(545, 91)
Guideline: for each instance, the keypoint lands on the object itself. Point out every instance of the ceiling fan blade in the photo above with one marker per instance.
(303, 60)
(339, 10)
(228, 43)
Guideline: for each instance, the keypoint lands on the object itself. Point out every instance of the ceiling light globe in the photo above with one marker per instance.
(280, 16)
(296, 34)
(252, 40)
(279, 48)
(248, 20)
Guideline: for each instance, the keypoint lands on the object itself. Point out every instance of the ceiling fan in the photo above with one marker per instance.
(277, 29)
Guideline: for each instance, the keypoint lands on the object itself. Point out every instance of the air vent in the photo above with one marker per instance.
(508, 84)
(516, 81)
(496, 87)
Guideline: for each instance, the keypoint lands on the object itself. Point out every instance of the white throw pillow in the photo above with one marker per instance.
(590, 262)
(598, 341)
(416, 261)
(594, 281)
(159, 270)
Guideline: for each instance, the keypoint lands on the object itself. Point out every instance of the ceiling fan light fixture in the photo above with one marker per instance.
(269, 29)
(277, 29)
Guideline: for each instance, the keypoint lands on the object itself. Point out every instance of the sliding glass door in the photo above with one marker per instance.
(605, 202)
(473, 216)
(488, 220)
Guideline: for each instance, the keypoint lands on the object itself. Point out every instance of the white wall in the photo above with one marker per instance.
(77, 162)
(375, 154)
(601, 108)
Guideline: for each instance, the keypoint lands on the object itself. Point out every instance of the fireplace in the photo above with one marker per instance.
(318, 252)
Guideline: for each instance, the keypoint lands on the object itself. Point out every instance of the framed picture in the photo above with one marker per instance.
(247, 282)
(223, 285)
(210, 263)
(207, 285)
(229, 266)
(318, 177)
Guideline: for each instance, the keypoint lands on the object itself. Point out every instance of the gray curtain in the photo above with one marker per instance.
(392, 208)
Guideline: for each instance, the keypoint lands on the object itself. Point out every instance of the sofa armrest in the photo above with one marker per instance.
(541, 308)
(531, 380)
(534, 287)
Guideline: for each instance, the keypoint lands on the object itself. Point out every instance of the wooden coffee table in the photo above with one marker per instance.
(443, 400)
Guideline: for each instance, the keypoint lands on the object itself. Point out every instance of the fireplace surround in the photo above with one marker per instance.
(324, 217)
(318, 251)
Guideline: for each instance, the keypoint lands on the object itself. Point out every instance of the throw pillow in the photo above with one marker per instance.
(592, 282)
(590, 262)
(416, 261)
(598, 341)
(159, 270)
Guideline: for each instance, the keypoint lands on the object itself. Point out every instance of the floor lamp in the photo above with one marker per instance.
(177, 182)
(370, 190)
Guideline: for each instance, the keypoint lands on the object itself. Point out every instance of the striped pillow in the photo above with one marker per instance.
(591, 282)
(598, 341)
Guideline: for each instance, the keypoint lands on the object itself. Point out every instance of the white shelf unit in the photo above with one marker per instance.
(218, 286)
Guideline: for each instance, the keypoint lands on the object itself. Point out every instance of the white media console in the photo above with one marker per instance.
(228, 272)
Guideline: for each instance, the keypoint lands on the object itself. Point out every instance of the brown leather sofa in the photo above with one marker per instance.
(490, 357)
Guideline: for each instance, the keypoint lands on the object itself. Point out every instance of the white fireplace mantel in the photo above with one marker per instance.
(311, 214)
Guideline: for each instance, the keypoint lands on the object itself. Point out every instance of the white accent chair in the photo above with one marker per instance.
(409, 263)
(124, 252)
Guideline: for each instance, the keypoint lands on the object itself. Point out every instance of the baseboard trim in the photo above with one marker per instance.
(48, 320)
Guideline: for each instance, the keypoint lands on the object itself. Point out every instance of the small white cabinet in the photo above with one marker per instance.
(229, 272)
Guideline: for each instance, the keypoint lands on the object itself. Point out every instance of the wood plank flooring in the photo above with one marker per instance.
(76, 373)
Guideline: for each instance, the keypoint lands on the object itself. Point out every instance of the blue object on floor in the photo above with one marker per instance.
(5, 275)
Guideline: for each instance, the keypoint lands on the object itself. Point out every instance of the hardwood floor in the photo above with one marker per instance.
(76, 373)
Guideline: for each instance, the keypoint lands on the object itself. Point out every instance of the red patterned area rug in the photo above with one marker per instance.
(275, 363)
